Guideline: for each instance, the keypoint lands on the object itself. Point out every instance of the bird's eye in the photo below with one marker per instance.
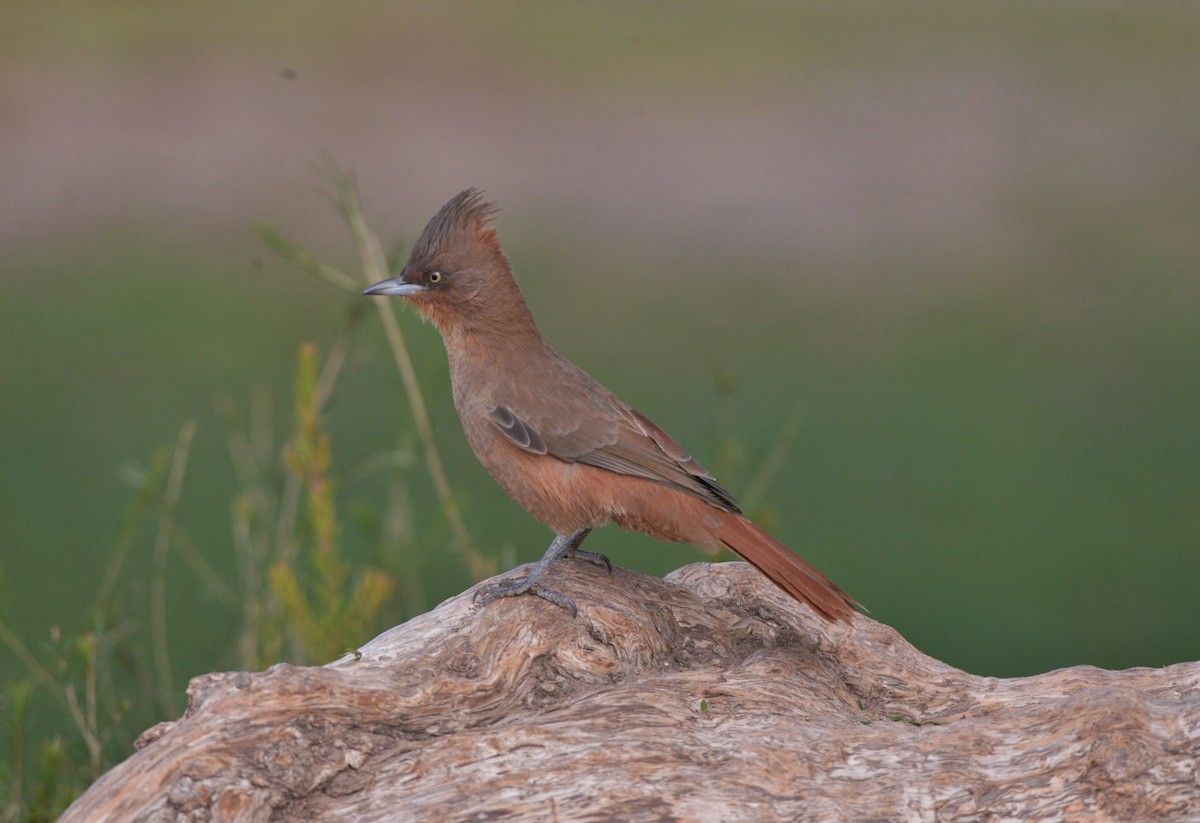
(435, 276)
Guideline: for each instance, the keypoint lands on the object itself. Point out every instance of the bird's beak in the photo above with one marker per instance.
(395, 286)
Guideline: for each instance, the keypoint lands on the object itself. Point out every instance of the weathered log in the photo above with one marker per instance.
(705, 696)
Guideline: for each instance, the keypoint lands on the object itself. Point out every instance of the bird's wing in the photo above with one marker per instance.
(595, 428)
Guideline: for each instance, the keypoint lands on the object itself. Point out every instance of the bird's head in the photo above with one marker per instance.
(457, 276)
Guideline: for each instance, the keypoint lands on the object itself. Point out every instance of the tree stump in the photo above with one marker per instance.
(706, 696)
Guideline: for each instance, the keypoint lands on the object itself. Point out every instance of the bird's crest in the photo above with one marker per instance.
(466, 219)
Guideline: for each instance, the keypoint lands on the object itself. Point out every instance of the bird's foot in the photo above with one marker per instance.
(563, 546)
(526, 585)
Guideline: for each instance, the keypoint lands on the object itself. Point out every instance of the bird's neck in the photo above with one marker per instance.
(482, 341)
(498, 333)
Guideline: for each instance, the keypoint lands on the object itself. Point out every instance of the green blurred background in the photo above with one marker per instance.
(950, 250)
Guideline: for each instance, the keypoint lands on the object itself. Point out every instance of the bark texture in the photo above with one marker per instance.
(705, 696)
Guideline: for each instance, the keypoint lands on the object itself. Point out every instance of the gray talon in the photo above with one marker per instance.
(562, 546)
(595, 558)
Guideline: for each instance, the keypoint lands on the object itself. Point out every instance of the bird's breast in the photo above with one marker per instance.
(569, 496)
(562, 495)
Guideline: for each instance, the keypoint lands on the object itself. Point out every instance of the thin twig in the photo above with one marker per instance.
(158, 582)
(339, 352)
(146, 490)
(773, 461)
(21, 651)
(77, 714)
(375, 268)
(92, 733)
(302, 259)
(203, 570)
(335, 360)
(252, 504)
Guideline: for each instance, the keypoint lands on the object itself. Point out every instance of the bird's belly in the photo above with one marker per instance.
(573, 496)
(561, 495)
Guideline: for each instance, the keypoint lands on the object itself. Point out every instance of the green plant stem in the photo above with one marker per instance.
(773, 461)
(158, 580)
(85, 715)
(146, 491)
(21, 651)
(375, 268)
(204, 572)
(289, 509)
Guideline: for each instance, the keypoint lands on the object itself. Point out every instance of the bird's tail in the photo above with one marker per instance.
(786, 570)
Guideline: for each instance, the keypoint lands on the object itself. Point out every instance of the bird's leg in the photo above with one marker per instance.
(572, 550)
(561, 546)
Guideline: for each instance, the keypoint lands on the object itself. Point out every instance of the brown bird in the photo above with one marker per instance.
(558, 442)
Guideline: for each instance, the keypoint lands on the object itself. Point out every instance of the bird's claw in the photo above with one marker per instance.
(511, 588)
(593, 557)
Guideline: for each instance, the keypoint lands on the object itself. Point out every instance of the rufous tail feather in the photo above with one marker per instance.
(784, 567)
